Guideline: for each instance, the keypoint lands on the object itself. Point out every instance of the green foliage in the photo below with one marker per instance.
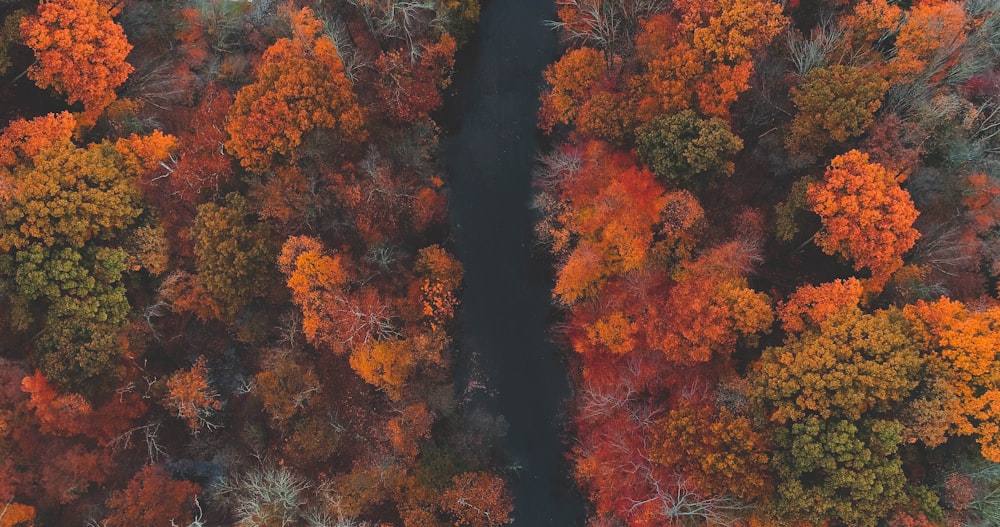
(835, 104)
(234, 259)
(685, 149)
(839, 469)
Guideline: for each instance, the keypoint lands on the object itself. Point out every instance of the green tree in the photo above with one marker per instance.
(685, 149)
(839, 469)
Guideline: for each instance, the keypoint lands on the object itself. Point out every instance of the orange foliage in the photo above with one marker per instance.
(16, 515)
(315, 280)
(930, 36)
(616, 209)
(151, 498)
(866, 216)
(709, 308)
(442, 276)
(143, 154)
(964, 386)
(719, 453)
(810, 305)
(301, 88)
(572, 78)
(80, 52)
(478, 499)
(192, 397)
(23, 140)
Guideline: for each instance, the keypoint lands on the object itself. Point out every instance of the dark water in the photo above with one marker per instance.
(490, 146)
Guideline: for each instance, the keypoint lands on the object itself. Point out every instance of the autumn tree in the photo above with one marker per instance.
(409, 90)
(62, 228)
(285, 386)
(478, 499)
(866, 216)
(232, 255)
(835, 103)
(192, 397)
(80, 52)
(962, 394)
(809, 306)
(839, 469)
(441, 277)
(151, 498)
(709, 309)
(301, 89)
(825, 390)
(851, 364)
(719, 453)
(931, 35)
(686, 150)
(572, 78)
(616, 210)
(390, 363)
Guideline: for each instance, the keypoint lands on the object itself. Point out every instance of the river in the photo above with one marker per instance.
(490, 146)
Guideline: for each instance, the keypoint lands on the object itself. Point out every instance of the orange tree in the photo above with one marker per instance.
(867, 217)
(80, 52)
(301, 88)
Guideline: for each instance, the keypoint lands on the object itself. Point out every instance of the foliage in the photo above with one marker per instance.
(301, 88)
(80, 52)
(866, 216)
(231, 254)
(835, 104)
(686, 150)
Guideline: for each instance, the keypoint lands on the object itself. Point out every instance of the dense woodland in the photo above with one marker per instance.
(776, 230)
(226, 297)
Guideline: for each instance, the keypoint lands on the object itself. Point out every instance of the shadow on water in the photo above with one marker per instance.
(490, 147)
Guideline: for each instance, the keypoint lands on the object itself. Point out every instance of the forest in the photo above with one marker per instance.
(230, 295)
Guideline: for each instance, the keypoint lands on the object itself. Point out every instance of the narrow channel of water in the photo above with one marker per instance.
(490, 148)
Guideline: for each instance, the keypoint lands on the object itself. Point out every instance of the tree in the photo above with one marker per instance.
(717, 452)
(851, 364)
(67, 196)
(301, 88)
(866, 216)
(685, 150)
(835, 103)
(962, 394)
(389, 364)
(285, 386)
(709, 308)
(80, 52)
(845, 470)
(232, 255)
(192, 397)
(478, 499)
(16, 514)
(616, 210)
(441, 276)
(809, 306)
(572, 78)
(929, 40)
(409, 90)
(151, 498)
